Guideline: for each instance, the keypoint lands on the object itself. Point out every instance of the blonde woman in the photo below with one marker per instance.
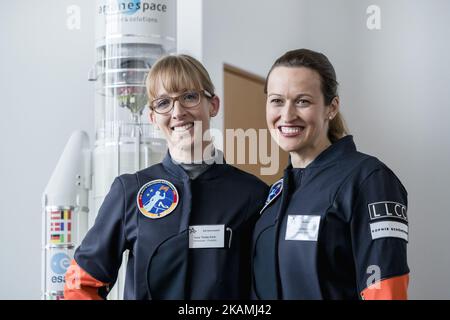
(187, 221)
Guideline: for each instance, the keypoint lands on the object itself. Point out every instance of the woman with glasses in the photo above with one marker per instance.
(187, 221)
(335, 226)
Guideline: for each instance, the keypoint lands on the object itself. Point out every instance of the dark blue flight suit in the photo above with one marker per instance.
(348, 228)
(161, 265)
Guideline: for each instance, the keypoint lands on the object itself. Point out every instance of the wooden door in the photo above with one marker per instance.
(245, 108)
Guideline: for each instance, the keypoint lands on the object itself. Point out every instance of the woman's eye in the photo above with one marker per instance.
(276, 101)
(190, 97)
(162, 103)
(302, 102)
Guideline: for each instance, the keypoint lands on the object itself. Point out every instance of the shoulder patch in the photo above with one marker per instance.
(275, 191)
(157, 198)
(388, 219)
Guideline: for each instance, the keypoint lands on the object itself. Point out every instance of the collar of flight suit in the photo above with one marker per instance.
(214, 170)
(331, 154)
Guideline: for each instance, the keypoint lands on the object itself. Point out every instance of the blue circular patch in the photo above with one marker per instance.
(157, 198)
(274, 192)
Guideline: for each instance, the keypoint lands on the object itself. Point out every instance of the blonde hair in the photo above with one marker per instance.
(177, 73)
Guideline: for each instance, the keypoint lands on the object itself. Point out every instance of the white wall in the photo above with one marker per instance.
(45, 95)
(248, 34)
(394, 90)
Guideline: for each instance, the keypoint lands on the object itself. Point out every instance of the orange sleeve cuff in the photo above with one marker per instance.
(80, 285)
(395, 288)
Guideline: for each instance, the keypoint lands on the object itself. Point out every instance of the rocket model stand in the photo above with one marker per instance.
(130, 36)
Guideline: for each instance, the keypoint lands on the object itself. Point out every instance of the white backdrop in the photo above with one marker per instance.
(394, 92)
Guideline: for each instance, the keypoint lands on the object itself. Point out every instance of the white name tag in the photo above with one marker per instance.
(207, 236)
(389, 229)
(302, 227)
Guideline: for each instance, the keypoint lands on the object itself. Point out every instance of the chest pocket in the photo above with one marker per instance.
(265, 272)
(167, 269)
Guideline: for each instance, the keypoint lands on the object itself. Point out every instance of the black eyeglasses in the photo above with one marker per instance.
(188, 99)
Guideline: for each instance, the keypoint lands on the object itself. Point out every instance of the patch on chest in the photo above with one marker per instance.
(274, 192)
(157, 198)
(302, 227)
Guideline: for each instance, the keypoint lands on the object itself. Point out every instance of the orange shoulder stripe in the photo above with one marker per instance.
(395, 288)
(80, 285)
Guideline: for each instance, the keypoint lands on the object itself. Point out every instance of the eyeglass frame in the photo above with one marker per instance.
(203, 92)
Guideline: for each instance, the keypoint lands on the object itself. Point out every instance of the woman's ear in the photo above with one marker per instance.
(334, 107)
(215, 105)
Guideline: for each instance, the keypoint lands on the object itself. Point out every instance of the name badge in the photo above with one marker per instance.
(302, 227)
(207, 236)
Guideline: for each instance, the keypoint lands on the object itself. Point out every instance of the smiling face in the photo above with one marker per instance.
(184, 128)
(295, 111)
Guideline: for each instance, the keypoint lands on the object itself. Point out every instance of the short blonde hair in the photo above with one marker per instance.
(177, 73)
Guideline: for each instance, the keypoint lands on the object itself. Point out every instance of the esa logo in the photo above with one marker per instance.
(59, 264)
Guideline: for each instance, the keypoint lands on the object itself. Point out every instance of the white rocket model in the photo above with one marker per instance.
(130, 36)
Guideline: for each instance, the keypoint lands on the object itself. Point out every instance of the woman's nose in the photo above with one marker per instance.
(178, 110)
(288, 112)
